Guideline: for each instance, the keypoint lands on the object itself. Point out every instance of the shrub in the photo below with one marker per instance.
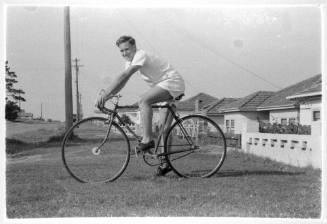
(12, 110)
(284, 129)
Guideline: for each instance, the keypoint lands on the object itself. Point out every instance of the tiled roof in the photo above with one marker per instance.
(189, 104)
(215, 107)
(248, 103)
(279, 98)
(314, 89)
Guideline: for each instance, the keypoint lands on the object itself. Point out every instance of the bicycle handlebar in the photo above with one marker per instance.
(107, 110)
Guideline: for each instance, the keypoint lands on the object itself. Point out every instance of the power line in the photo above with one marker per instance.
(150, 44)
(137, 31)
(204, 45)
(214, 51)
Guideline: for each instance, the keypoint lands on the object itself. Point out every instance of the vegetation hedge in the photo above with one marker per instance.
(284, 129)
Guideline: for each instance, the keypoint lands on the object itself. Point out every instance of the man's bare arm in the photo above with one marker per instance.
(120, 81)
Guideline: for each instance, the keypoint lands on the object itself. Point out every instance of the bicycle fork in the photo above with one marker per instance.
(97, 150)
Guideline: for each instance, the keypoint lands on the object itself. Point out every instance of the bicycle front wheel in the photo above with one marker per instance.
(195, 146)
(93, 153)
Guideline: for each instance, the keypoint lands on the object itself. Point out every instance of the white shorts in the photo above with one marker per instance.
(175, 86)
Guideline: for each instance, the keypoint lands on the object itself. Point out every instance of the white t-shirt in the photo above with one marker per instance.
(158, 72)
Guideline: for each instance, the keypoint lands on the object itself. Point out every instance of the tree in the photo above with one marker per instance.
(12, 110)
(13, 95)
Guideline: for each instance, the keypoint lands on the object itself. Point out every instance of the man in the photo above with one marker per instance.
(165, 82)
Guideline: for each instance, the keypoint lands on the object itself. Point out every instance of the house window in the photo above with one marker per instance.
(316, 115)
(283, 121)
(230, 126)
(227, 126)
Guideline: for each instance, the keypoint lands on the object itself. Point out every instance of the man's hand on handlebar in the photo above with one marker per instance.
(101, 99)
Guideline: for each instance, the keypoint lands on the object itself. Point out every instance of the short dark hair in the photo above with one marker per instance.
(124, 39)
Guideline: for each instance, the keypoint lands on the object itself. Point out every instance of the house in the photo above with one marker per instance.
(194, 104)
(22, 115)
(309, 101)
(185, 107)
(286, 105)
(241, 115)
(300, 104)
(132, 111)
(213, 110)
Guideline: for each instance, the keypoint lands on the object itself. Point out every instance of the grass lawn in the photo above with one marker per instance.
(247, 186)
(33, 131)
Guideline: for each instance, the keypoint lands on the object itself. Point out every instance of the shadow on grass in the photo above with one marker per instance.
(238, 173)
(14, 146)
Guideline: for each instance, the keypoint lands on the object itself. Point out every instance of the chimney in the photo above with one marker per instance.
(197, 105)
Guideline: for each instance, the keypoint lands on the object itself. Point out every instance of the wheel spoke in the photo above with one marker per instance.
(195, 146)
(91, 154)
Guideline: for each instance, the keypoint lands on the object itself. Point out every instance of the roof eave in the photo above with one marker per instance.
(276, 107)
(230, 110)
(318, 93)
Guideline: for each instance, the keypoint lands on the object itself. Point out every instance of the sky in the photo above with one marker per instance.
(221, 51)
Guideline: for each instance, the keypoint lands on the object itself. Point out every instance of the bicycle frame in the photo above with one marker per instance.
(114, 114)
(179, 138)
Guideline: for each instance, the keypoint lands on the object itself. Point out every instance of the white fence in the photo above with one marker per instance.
(296, 150)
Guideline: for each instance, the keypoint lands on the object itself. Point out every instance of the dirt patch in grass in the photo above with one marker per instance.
(24, 136)
(14, 146)
(33, 132)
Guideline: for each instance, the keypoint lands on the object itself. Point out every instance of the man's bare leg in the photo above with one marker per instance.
(154, 95)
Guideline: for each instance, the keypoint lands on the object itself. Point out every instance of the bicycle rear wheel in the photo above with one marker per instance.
(89, 156)
(195, 146)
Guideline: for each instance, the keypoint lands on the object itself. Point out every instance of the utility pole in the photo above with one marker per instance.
(78, 110)
(68, 70)
(80, 106)
(41, 116)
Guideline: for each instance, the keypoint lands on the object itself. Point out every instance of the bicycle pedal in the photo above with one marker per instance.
(144, 153)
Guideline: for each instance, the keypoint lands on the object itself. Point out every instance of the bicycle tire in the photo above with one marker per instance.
(207, 140)
(85, 165)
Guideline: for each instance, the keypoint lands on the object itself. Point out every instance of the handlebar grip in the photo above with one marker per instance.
(105, 110)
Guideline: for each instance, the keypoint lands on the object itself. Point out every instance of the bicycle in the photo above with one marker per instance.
(98, 149)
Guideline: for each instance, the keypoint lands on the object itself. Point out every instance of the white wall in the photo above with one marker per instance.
(306, 111)
(252, 120)
(277, 115)
(240, 122)
(245, 121)
(306, 152)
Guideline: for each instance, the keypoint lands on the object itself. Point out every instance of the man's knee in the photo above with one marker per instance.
(145, 105)
(143, 102)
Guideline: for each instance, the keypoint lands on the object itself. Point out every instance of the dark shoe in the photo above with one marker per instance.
(144, 147)
(162, 171)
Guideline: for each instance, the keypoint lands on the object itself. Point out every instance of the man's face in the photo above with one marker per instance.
(127, 50)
